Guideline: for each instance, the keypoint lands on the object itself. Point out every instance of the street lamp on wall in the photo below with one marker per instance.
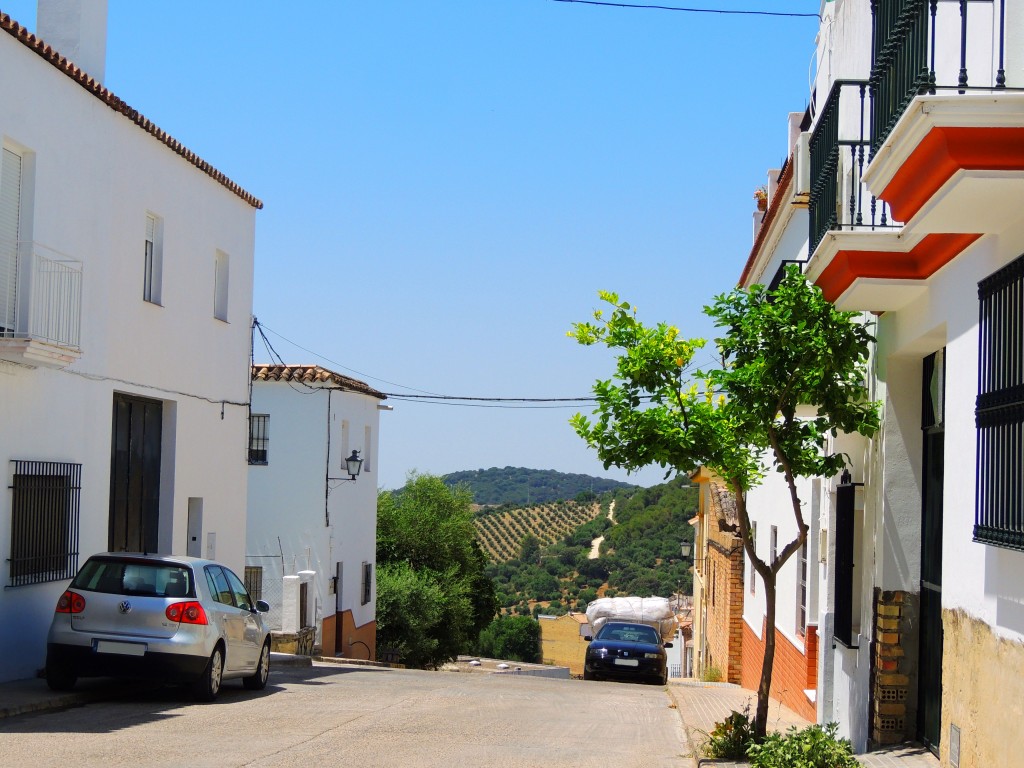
(353, 464)
(685, 548)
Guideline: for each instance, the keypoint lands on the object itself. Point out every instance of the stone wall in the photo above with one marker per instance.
(982, 695)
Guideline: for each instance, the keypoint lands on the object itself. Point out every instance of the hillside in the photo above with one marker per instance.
(517, 485)
(640, 554)
(501, 530)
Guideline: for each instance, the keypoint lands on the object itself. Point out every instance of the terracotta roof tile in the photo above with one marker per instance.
(723, 506)
(313, 374)
(785, 178)
(97, 89)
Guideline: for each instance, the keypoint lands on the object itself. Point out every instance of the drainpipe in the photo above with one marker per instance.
(327, 463)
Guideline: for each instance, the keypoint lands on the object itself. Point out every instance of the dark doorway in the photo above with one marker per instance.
(135, 475)
(929, 692)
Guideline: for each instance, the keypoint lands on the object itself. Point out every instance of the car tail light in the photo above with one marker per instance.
(70, 602)
(186, 613)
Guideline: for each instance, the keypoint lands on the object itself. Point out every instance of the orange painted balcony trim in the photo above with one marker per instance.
(922, 261)
(943, 152)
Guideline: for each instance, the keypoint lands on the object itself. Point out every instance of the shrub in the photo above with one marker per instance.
(730, 738)
(813, 747)
(712, 675)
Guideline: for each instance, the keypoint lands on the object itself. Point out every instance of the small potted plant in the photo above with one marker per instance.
(761, 197)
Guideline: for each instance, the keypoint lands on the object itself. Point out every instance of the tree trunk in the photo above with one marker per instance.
(761, 717)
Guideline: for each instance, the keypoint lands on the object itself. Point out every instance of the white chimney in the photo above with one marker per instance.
(77, 29)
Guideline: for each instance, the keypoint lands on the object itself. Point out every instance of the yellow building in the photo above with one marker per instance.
(561, 641)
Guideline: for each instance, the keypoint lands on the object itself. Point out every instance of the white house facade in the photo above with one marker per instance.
(312, 535)
(126, 270)
(915, 210)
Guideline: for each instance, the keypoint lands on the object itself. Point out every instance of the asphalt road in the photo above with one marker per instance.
(362, 716)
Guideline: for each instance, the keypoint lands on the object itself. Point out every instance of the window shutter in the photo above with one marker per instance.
(10, 215)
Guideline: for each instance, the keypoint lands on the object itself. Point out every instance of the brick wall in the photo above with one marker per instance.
(793, 672)
(893, 713)
(725, 612)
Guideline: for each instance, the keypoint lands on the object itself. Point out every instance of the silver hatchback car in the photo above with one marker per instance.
(176, 619)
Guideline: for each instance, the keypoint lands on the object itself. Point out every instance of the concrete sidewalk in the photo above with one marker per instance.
(701, 705)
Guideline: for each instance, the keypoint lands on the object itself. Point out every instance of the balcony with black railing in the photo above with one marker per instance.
(928, 47)
(925, 156)
(838, 150)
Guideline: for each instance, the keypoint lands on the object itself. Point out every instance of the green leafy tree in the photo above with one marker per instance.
(529, 548)
(514, 638)
(426, 544)
(780, 350)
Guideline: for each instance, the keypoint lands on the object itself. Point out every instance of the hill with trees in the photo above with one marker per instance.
(502, 530)
(640, 554)
(516, 485)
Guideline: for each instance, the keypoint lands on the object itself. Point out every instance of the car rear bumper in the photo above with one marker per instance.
(85, 661)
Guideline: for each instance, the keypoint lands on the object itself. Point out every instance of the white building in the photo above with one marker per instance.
(780, 239)
(312, 537)
(915, 206)
(126, 269)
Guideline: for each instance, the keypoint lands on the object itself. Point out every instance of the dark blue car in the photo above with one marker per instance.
(624, 651)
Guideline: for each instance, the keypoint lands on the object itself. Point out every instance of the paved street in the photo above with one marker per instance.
(367, 716)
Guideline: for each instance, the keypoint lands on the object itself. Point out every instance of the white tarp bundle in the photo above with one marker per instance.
(654, 611)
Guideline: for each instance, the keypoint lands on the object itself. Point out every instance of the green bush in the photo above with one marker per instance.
(712, 675)
(813, 747)
(731, 737)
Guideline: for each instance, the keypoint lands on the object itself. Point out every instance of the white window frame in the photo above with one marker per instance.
(153, 257)
(10, 248)
(221, 275)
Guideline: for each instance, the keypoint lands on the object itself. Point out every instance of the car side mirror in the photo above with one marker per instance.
(262, 606)
(668, 645)
(588, 638)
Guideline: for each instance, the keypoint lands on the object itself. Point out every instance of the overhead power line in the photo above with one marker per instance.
(431, 398)
(726, 11)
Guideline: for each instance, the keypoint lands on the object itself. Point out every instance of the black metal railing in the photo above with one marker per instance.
(999, 414)
(44, 521)
(919, 47)
(838, 153)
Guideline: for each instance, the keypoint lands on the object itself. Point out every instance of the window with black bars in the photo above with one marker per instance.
(367, 582)
(999, 411)
(254, 581)
(44, 521)
(801, 591)
(259, 438)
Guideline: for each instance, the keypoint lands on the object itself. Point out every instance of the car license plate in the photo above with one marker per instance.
(125, 649)
(627, 662)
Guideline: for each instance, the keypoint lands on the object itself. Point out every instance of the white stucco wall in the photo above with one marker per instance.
(91, 177)
(288, 510)
(769, 505)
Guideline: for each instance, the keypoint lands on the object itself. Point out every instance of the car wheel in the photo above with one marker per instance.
(258, 680)
(59, 677)
(207, 686)
(588, 675)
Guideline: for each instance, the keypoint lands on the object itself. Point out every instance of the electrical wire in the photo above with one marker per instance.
(725, 11)
(431, 398)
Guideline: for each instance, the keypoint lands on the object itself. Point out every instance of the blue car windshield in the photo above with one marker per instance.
(629, 633)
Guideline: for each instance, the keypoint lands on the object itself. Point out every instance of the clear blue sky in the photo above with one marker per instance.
(448, 183)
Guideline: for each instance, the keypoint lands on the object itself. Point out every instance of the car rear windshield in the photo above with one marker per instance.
(134, 577)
